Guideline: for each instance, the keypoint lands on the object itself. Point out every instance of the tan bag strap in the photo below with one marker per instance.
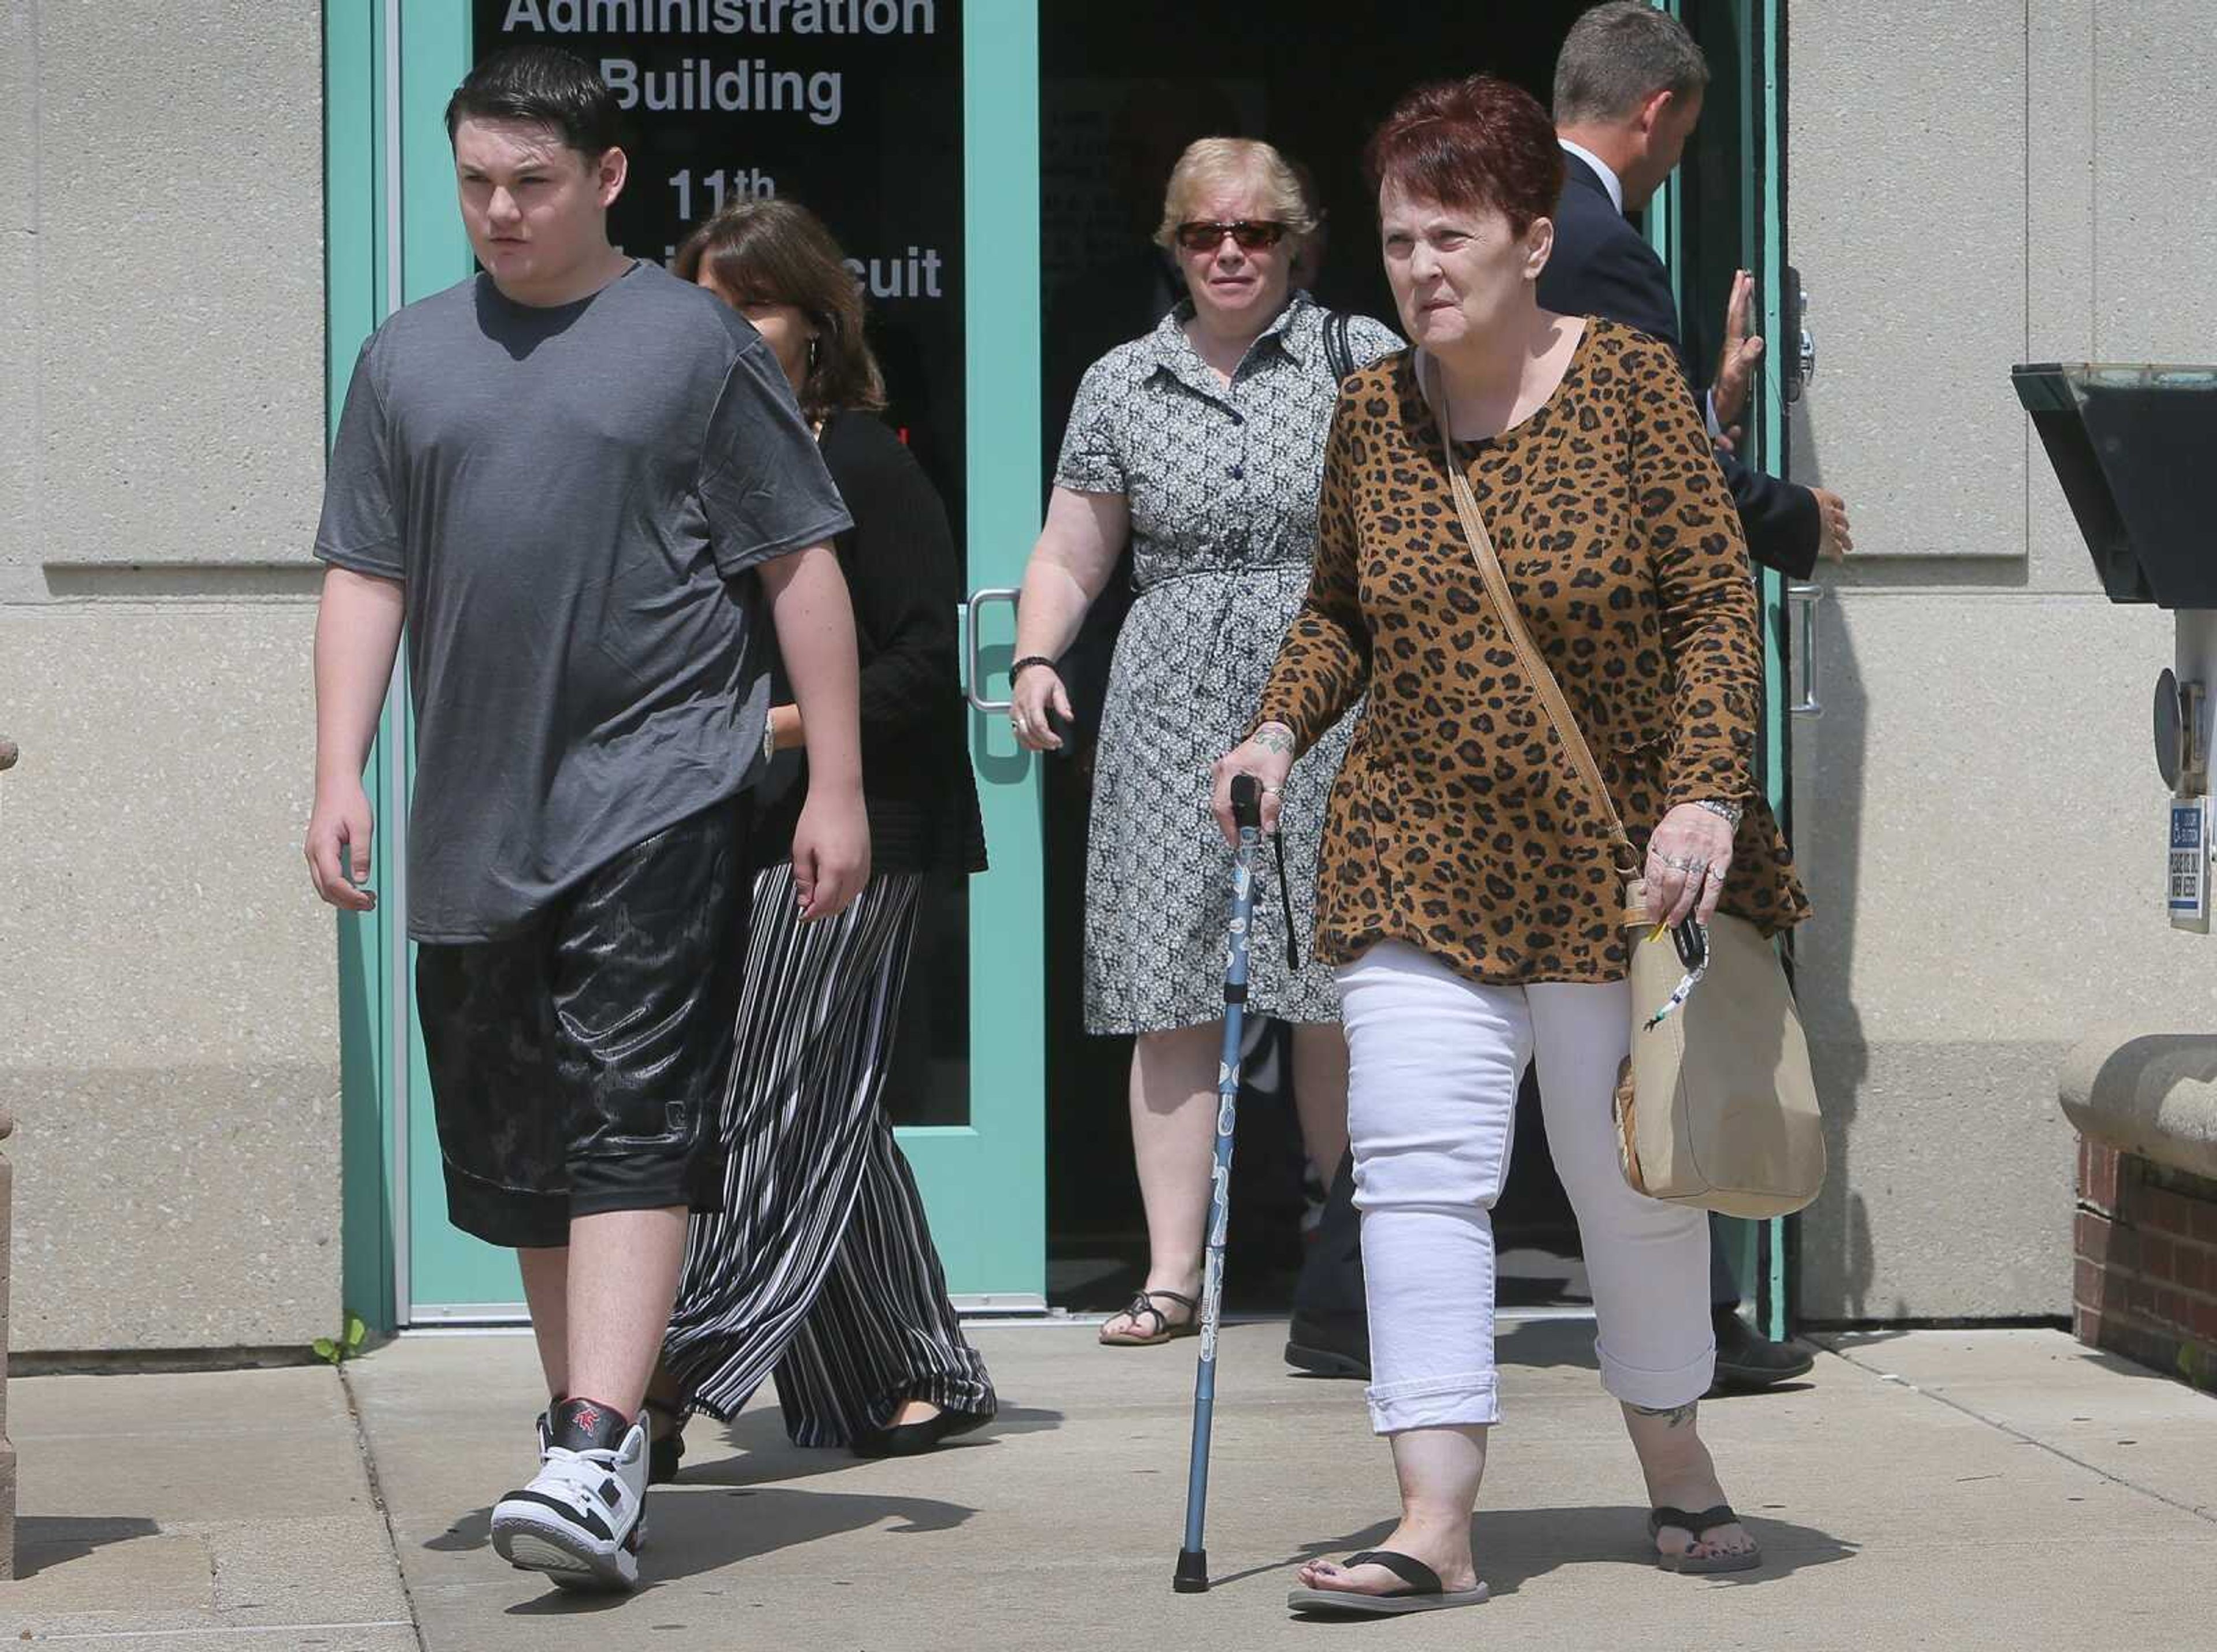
(1512, 621)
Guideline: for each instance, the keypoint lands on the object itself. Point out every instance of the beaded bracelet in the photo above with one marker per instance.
(1017, 670)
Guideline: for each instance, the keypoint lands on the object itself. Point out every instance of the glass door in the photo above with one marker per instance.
(917, 143)
(983, 1175)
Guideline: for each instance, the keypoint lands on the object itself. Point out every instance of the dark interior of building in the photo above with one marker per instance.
(1123, 90)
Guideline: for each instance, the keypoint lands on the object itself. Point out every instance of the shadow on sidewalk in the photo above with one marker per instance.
(1515, 1545)
(43, 1540)
(706, 1528)
(719, 1514)
(766, 1455)
(1562, 1344)
(1546, 1343)
(709, 1528)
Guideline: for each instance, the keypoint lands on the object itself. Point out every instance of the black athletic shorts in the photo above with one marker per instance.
(579, 1065)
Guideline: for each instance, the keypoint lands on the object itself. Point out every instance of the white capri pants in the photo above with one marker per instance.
(1431, 1114)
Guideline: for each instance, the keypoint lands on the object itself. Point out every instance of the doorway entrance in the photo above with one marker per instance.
(1122, 91)
(920, 152)
(1014, 1120)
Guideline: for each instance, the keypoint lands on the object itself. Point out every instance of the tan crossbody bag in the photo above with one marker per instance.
(1716, 1106)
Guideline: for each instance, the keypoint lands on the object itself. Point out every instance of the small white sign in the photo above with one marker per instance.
(2187, 881)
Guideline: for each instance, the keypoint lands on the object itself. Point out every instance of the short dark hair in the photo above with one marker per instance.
(545, 86)
(1617, 56)
(776, 251)
(1477, 143)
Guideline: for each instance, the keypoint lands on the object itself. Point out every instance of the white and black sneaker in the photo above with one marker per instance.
(580, 1519)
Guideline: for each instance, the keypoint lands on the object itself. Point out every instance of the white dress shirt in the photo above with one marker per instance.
(1609, 181)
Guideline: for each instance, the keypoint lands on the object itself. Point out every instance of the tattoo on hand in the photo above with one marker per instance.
(1274, 737)
(1679, 1415)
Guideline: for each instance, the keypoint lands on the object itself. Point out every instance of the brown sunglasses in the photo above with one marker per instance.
(1251, 234)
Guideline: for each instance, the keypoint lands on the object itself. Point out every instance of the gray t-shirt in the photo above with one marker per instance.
(573, 497)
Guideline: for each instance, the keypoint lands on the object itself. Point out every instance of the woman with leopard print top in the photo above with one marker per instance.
(1466, 890)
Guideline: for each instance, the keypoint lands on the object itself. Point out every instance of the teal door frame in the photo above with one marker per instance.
(1762, 1249)
(984, 1182)
(357, 285)
(392, 237)
(1763, 71)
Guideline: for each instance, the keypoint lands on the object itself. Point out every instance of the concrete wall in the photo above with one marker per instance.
(168, 1008)
(1978, 812)
(1978, 815)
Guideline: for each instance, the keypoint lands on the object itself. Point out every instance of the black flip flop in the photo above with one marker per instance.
(1700, 1525)
(1425, 1593)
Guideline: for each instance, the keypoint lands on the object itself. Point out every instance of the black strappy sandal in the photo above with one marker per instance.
(663, 1451)
(1142, 1304)
(1425, 1593)
(1700, 1525)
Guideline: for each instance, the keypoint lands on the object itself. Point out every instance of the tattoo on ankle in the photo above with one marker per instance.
(1679, 1415)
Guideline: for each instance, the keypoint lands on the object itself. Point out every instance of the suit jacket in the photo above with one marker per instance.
(1602, 266)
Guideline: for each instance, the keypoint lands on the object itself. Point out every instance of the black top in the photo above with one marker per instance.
(1602, 266)
(905, 582)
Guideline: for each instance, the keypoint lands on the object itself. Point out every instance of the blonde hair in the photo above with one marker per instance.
(1212, 163)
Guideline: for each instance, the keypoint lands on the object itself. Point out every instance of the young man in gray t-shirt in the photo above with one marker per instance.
(582, 483)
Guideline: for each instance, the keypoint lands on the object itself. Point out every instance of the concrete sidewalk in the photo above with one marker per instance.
(1951, 1489)
(229, 1509)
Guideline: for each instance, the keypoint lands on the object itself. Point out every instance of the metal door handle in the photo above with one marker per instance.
(973, 686)
(1796, 324)
(1806, 598)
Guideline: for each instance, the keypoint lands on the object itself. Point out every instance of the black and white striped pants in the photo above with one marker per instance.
(820, 1267)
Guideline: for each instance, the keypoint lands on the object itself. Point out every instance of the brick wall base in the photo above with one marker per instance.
(2145, 1282)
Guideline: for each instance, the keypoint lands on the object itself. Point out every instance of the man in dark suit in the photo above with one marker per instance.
(1629, 82)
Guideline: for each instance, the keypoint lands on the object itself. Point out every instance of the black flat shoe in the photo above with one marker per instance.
(1746, 1361)
(665, 1451)
(915, 1438)
(1337, 1345)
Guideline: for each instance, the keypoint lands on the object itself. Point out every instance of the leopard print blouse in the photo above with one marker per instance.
(1457, 824)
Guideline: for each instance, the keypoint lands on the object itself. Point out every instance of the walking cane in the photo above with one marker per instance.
(1192, 1574)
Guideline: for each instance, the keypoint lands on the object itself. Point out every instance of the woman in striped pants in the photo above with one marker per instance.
(820, 1267)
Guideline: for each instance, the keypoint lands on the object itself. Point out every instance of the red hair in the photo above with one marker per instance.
(1477, 143)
